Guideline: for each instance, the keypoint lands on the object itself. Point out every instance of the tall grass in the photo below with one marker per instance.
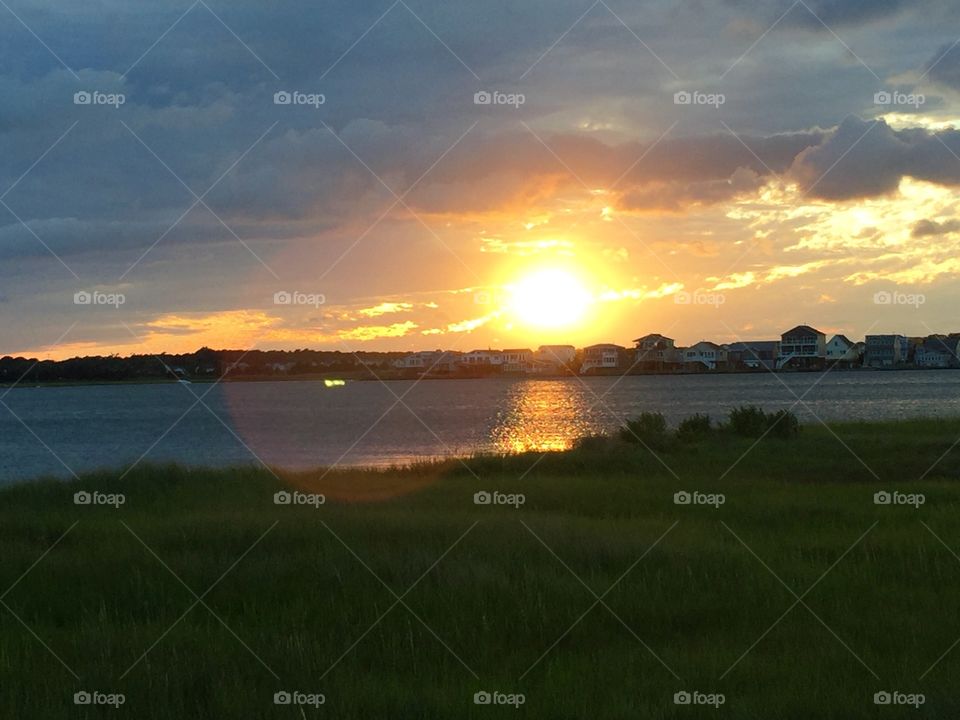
(295, 598)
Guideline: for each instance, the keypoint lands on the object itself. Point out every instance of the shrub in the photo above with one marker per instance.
(783, 424)
(748, 421)
(649, 429)
(751, 421)
(594, 443)
(694, 428)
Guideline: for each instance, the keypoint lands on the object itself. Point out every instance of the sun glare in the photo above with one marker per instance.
(550, 298)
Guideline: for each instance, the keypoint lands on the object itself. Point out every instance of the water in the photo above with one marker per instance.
(64, 430)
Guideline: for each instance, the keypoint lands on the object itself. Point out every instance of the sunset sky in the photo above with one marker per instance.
(401, 214)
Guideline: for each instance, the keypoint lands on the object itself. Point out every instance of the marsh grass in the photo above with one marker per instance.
(303, 600)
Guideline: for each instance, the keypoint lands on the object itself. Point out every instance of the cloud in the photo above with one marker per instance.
(927, 228)
(868, 158)
(944, 66)
(385, 308)
(366, 333)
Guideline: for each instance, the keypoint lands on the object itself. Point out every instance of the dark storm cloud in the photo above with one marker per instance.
(202, 99)
(869, 158)
(944, 65)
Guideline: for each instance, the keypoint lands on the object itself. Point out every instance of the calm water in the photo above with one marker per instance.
(305, 424)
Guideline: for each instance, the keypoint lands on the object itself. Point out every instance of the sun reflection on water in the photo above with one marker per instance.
(543, 415)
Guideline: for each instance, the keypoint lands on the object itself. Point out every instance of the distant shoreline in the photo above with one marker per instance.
(392, 377)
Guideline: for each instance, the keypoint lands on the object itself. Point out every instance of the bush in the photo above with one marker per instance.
(751, 421)
(694, 428)
(594, 443)
(783, 424)
(649, 429)
(748, 421)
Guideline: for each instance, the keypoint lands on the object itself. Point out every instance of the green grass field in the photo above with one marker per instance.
(400, 597)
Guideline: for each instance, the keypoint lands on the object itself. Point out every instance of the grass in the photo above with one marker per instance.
(498, 598)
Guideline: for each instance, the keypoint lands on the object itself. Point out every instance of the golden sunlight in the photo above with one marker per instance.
(549, 298)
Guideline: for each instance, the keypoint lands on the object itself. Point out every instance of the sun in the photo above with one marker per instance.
(549, 298)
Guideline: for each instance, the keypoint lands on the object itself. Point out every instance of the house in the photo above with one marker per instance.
(755, 354)
(704, 355)
(656, 352)
(802, 347)
(886, 351)
(434, 362)
(842, 351)
(553, 359)
(420, 360)
(281, 368)
(602, 357)
(556, 354)
(517, 360)
(482, 358)
(937, 351)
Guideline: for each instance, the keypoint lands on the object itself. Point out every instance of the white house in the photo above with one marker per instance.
(476, 358)
(556, 354)
(842, 349)
(430, 361)
(704, 354)
(936, 352)
(419, 360)
(517, 360)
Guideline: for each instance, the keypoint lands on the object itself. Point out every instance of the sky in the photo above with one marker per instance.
(413, 174)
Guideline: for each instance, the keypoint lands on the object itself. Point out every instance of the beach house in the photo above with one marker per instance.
(885, 351)
(937, 351)
(841, 351)
(655, 352)
(604, 357)
(802, 347)
(704, 355)
(517, 360)
(753, 354)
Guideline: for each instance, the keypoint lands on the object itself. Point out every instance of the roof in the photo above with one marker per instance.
(518, 350)
(803, 329)
(604, 346)
(653, 336)
(706, 342)
(939, 345)
(847, 340)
